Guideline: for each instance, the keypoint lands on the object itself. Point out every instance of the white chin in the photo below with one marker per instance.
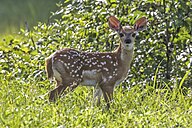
(129, 47)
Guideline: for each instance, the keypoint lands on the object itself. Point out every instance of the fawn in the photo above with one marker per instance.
(103, 70)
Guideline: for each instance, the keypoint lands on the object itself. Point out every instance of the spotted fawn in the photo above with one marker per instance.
(103, 70)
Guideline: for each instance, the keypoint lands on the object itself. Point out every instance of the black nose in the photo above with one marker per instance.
(128, 41)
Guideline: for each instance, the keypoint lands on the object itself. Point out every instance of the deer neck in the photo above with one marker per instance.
(125, 56)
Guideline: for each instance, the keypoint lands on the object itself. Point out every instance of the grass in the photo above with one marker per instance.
(25, 104)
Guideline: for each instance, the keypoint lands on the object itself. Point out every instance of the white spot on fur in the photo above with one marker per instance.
(110, 77)
(106, 69)
(108, 56)
(94, 63)
(60, 60)
(115, 64)
(103, 56)
(99, 66)
(103, 63)
(63, 55)
(75, 71)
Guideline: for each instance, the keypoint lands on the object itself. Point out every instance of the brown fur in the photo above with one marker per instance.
(48, 67)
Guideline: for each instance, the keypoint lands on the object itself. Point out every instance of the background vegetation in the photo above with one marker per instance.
(156, 93)
(15, 14)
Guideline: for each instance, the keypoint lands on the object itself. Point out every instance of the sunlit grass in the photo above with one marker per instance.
(25, 104)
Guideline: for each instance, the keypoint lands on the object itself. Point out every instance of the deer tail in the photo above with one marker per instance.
(48, 67)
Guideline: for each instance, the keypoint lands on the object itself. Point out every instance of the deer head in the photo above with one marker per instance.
(127, 34)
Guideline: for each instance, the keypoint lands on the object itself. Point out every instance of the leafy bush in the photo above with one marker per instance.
(83, 25)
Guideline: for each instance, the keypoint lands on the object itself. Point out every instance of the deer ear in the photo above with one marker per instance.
(114, 23)
(140, 24)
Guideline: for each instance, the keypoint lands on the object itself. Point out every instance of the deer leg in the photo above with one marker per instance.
(107, 94)
(54, 94)
(57, 91)
(60, 89)
(97, 95)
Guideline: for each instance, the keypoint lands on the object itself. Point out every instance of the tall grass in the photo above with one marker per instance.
(25, 104)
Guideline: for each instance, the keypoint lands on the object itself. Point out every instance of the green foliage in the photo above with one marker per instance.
(83, 25)
(160, 69)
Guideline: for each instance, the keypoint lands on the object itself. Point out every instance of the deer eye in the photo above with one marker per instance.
(134, 34)
(121, 34)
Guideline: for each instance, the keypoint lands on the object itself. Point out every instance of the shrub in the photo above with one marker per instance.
(83, 25)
